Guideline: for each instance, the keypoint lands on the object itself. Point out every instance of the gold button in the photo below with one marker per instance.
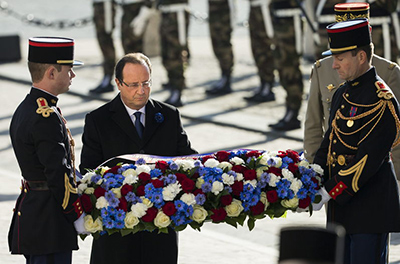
(347, 95)
(342, 106)
(333, 165)
(333, 193)
(341, 160)
(25, 190)
(341, 186)
(334, 141)
(327, 99)
(334, 153)
(19, 213)
(337, 189)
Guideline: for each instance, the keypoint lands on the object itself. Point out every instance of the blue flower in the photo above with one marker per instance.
(140, 161)
(119, 224)
(159, 117)
(155, 173)
(170, 178)
(173, 166)
(120, 215)
(200, 199)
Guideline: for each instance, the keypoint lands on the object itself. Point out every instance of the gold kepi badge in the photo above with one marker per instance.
(350, 123)
(330, 87)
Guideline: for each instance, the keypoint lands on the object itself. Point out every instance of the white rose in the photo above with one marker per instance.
(263, 160)
(292, 203)
(117, 192)
(199, 213)
(101, 202)
(296, 185)
(147, 202)
(170, 191)
(139, 209)
(131, 220)
(260, 171)
(87, 177)
(188, 198)
(89, 190)
(304, 163)
(287, 174)
(252, 183)
(81, 188)
(162, 220)
(228, 179)
(317, 169)
(278, 162)
(130, 179)
(91, 226)
(129, 172)
(223, 165)
(237, 161)
(104, 169)
(185, 164)
(234, 209)
(199, 183)
(239, 177)
(273, 180)
(217, 187)
(143, 168)
(211, 163)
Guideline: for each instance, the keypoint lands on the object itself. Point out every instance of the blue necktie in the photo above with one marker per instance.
(139, 126)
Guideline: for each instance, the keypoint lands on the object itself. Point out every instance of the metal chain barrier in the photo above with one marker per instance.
(32, 20)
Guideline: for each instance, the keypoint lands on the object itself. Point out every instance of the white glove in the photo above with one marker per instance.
(140, 21)
(325, 197)
(80, 225)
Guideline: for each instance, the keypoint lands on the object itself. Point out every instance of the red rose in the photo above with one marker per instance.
(151, 213)
(275, 170)
(293, 155)
(140, 190)
(187, 185)
(226, 200)
(250, 175)
(218, 215)
(157, 183)
(272, 196)
(113, 170)
(86, 203)
(304, 203)
(162, 165)
(144, 177)
(198, 191)
(126, 188)
(169, 208)
(257, 209)
(180, 176)
(315, 180)
(239, 168)
(123, 204)
(205, 158)
(237, 188)
(293, 167)
(222, 156)
(253, 153)
(99, 191)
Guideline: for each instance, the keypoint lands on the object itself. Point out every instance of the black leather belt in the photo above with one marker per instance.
(37, 185)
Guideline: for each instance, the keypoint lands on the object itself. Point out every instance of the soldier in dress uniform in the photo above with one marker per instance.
(359, 180)
(133, 22)
(174, 45)
(325, 81)
(262, 40)
(221, 22)
(287, 53)
(42, 226)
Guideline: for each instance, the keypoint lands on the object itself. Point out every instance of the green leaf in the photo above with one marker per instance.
(251, 223)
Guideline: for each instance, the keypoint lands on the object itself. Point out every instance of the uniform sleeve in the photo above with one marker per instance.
(52, 147)
(313, 132)
(366, 162)
(91, 154)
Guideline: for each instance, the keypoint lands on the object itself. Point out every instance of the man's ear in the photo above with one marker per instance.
(50, 72)
(362, 56)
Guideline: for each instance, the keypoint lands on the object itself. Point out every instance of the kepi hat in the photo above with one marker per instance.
(350, 11)
(348, 35)
(52, 50)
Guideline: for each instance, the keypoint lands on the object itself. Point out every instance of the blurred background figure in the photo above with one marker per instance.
(133, 22)
(383, 19)
(174, 46)
(312, 245)
(221, 20)
(261, 38)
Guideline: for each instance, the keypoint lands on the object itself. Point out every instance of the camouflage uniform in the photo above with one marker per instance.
(173, 51)
(380, 16)
(287, 58)
(130, 42)
(220, 32)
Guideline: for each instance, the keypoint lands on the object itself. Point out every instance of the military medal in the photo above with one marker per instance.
(350, 123)
(353, 111)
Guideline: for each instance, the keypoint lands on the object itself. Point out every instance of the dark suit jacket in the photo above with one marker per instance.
(109, 132)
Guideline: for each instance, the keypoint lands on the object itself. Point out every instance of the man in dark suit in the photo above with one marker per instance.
(360, 182)
(42, 226)
(133, 123)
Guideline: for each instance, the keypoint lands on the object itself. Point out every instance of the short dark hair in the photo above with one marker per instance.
(369, 49)
(135, 58)
(37, 70)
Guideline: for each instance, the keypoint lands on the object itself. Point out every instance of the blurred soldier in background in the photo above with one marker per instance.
(287, 53)
(221, 19)
(174, 45)
(133, 22)
(383, 19)
(261, 37)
